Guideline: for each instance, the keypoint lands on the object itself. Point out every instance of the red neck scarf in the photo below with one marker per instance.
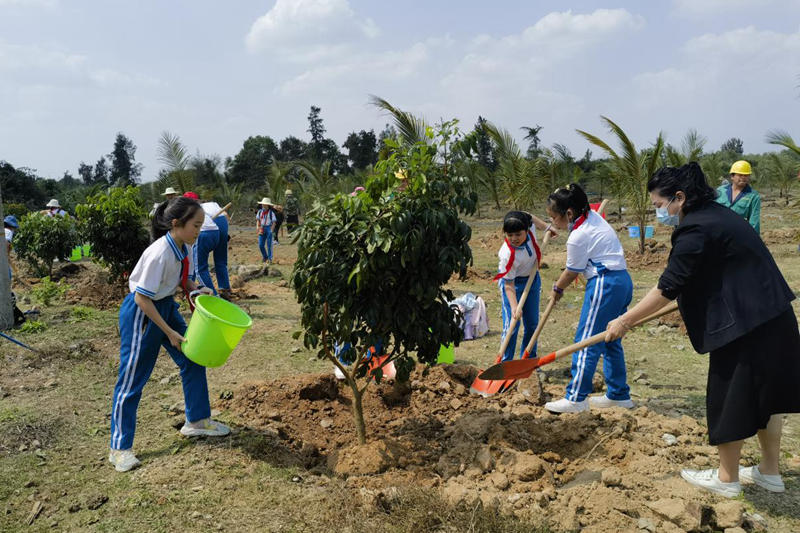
(185, 281)
(578, 221)
(513, 253)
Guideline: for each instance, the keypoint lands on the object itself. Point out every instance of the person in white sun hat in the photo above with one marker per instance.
(53, 209)
(169, 193)
(265, 222)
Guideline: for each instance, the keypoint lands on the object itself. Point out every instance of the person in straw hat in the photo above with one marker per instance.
(169, 193)
(265, 222)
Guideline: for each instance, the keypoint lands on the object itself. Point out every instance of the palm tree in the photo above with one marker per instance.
(522, 179)
(633, 169)
(410, 129)
(782, 171)
(316, 181)
(532, 136)
(173, 154)
(782, 138)
(691, 149)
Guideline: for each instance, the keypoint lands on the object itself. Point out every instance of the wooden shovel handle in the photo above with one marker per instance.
(550, 304)
(600, 337)
(522, 300)
(222, 210)
(602, 207)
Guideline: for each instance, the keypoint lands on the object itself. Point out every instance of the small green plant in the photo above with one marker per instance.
(42, 239)
(33, 326)
(80, 313)
(48, 291)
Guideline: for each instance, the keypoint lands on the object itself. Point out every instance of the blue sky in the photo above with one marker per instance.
(73, 73)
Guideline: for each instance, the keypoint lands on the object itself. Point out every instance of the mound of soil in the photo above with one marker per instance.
(90, 286)
(654, 257)
(600, 470)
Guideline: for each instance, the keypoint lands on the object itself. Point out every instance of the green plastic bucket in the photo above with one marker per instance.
(214, 330)
(447, 354)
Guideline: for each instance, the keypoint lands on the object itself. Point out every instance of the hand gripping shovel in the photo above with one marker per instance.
(507, 384)
(484, 387)
(522, 368)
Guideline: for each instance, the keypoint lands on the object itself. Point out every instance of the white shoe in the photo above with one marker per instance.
(751, 474)
(338, 373)
(205, 428)
(567, 406)
(603, 402)
(123, 460)
(709, 480)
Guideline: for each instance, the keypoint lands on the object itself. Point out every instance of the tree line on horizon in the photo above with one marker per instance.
(488, 157)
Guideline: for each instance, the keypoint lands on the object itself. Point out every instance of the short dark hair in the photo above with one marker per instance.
(570, 197)
(688, 178)
(515, 221)
(180, 208)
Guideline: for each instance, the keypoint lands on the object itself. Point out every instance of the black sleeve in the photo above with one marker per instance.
(684, 261)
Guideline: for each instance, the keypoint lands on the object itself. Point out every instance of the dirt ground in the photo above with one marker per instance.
(437, 459)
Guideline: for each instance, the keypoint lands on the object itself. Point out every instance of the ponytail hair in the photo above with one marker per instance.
(570, 197)
(181, 209)
(688, 178)
(515, 221)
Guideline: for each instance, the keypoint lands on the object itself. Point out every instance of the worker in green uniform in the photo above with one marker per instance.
(739, 196)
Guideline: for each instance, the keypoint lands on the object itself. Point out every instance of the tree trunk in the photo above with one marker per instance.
(358, 412)
(642, 233)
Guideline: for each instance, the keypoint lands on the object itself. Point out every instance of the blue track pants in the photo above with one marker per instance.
(265, 238)
(530, 315)
(141, 341)
(216, 242)
(607, 296)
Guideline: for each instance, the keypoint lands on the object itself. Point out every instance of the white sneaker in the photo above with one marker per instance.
(338, 373)
(205, 428)
(751, 474)
(709, 480)
(123, 460)
(603, 402)
(567, 406)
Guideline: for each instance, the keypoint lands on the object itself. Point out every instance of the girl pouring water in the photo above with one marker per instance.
(149, 319)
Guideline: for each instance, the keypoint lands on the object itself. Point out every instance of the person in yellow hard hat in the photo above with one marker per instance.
(739, 196)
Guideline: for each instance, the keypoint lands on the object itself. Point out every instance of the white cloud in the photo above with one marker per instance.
(308, 30)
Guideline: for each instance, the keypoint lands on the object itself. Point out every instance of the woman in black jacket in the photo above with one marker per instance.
(737, 306)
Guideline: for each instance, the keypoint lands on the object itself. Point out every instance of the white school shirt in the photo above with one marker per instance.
(267, 218)
(594, 245)
(9, 234)
(524, 259)
(158, 272)
(210, 209)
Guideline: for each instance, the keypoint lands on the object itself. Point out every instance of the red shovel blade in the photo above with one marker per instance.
(516, 369)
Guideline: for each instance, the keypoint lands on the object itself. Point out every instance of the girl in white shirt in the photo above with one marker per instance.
(593, 250)
(149, 319)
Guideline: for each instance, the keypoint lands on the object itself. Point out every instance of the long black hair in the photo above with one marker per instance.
(515, 221)
(688, 178)
(570, 197)
(181, 209)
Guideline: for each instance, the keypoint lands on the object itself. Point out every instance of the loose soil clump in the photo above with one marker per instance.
(599, 470)
(654, 257)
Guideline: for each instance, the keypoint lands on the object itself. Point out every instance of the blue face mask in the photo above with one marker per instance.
(665, 218)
